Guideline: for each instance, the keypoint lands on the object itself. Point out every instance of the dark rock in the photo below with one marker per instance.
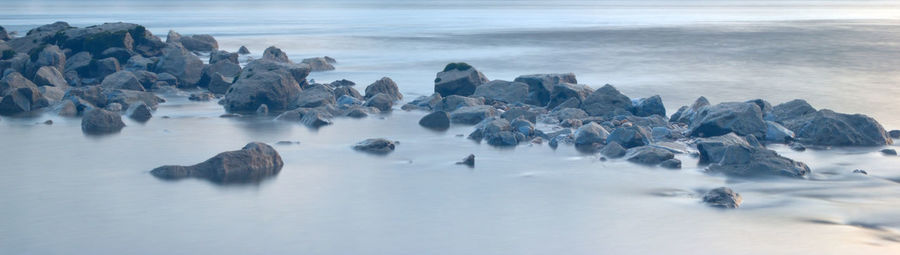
(860, 171)
(472, 114)
(316, 119)
(438, 120)
(540, 86)
(590, 135)
(318, 64)
(453, 102)
(384, 85)
(221, 55)
(648, 155)
(828, 128)
(468, 160)
(502, 91)
(127, 98)
(139, 63)
(13, 81)
(317, 95)
(565, 91)
(745, 157)
(525, 112)
(225, 68)
(613, 150)
(568, 114)
(266, 82)
(255, 162)
(182, 64)
(342, 82)
(502, 139)
(798, 147)
(347, 101)
(425, 102)
(793, 109)
(167, 78)
(687, 114)
(356, 113)
(380, 101)
(102, 68)
(649, 106)
(99, 121)
(147, 79)
(219, 84)
(375, 146)
(96, 39)
(722, 198)
(496, 131)
(275, 54)
(21, 100)
(51, 55)
(458, 79)
(522, 126)
(724, 118)
(606, 101)
(890, 152)
(78, 62)
(243, 50)
(120, 54)
(630, 136)
(122, 80)
(895, 134)
(671, 163)
(141, 113)
(4, 36)
(204, 43)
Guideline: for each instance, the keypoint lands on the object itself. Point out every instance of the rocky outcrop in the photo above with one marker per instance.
(734, 155)
(254, 162)
(458, 79)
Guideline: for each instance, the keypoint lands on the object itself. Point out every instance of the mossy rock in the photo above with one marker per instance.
(461, 66)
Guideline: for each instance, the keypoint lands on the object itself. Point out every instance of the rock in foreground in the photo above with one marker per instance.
(252, 163)
(723, 198)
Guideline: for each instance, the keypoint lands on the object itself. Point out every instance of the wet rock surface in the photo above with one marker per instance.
(252, 163)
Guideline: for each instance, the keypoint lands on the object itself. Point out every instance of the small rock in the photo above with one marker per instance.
(141, 113)
(723, 198)
(671, 163)
(860, 171)
(798, 147)
(375, 146)
(48, 122)
(890, 152)
(438, 120)
(468, 160)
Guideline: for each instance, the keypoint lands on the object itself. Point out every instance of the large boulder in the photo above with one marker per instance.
(79, 62)
(630, 136)
(790, 110)
(502, 91)
(122, 80)
(590, 135)
(826, 127)
(541, 85)
(202, 42)
(255, 162)
(181, 63)
(386, 86)
(50, 76)
(316, 96)
(13, 81)
(275, 54)
(96, 39)
(649, 106)
(221, 55)
(687, 114)
(319, 64)
(472, 114)
(266, 82)
(563, 92)
(100, 121)
(724, 118)
(734, 155)
(458, 79)
(606, 101)
(21, 100)
(437, 120)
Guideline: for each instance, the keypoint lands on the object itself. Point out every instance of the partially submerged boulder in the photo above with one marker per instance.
(386, 86)
(826, 127)
(648, 155)
(315, 96)
(590, 135)
(734, 155)
(375, 146)
(254, 162)
(437, 120)
(723, 197)
(100, 121)
(141, 113)
(563, 92)
(630, 136)
(266, 82)
(790, 110)
(472, 114)
(380, 101)
(458, 79)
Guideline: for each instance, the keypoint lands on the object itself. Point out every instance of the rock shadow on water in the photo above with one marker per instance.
(252, 164)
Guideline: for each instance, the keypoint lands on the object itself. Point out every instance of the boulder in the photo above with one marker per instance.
(139, 63)
(613, 150)
(263, 110)
(630, 136)
(13, 81)
(342, 82)
(472, 114)
(147, 79)
(606, 101)
(790, 110)
(687, 114)
(468, 161)
(777, 133)
(100, 121)
(96, 39)
(219, 84)
(182, 64)
(141, 113)
(649, 106)
(266, 82)
(120, 54)
(590, 135)
(221, 55)
(348, 91)
(243, 50)
(523, 126)
(895, 134)
(733, 155)
(565, 91)
(648, 155)
(828, 128)
(79, 62)
(316, 119)
(380, 101)
(122, 80)
(458, 79)
(203, 43)
(225, 68)
(502, 91)
(889, 152)
(4, 36)
(275, 54)
(437, 120)
(319, 64)
(453, 102)
(315, 96)
(724, 118)
(673, 163)
(348, 101)
(37, 37)
(51, 55)
(375, 146)
(722, 197)
(496, 131)
(21, 100)
(384, 85)
(568, 114)
(540, 86)
(253, 163)
(202, 97)
(127, 98)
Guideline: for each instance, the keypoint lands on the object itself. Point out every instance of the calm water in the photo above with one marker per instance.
(63, 192)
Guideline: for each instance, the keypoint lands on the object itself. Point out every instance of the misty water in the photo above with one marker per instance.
(63, 192)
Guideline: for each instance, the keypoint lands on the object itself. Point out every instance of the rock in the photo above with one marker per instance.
(37, 37)
(52, 94)
(522, 126)
(202, 97)
(147, 79)
(427, 103)
(828, 128)
(317, 95)
(266, 82)
(381, 101)
(375, 146)
(590, 135)
(649, 106)
(686, 115)
(648, 155)
(219, 84)
(722, 198)
(254, 162)
(525, 112)
(565, 91)
(606, 101)
(13, 81)
(437, 120)
(384, 85)
(263, 110)
(51, 55)
(671, 164)
(895, 134)
(316, 119)
(724, 118)
(348, 91)
(122, 80)
(102, 68)
(99, 121)
(630, 136)
(141, 113)
(68, 109)
(243, 50)
(540, 86)
(798, 147)
(568, 114)
(128, 98)
(223, 56)
(203, 43)
(225, 68)
(182, 64)
(790, 110)
(613, 150)
(113, 107)
(318, 64)
(275, 54)
(21, 100)
(468, 160)
(357, 113)
(347, 101)
(503, 139)
(458, 79)
(471, 115)
(890, 152)
(453, 102)
(342, 82)
(860, 171)
(733, 155)
(120, 54)
(96, 39)
(496, 131)
(777, 133)
(167, 78)
(138, 63)
(79, 62)
(4, 36)
(502, 91)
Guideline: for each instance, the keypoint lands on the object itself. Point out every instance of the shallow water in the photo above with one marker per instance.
(64, 192)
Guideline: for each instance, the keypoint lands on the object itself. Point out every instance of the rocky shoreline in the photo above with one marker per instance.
(100, 73)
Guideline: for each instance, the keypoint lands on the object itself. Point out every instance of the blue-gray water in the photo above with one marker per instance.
(63, 192)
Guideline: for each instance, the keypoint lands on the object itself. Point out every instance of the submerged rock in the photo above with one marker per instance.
(375, 146)
(889, 152)
(458, 79)
(141, 113)
(723, 197)
(630, 136)
(648, 155)
(895, 134)
(380, 101)
(437, 120)
(243, 50)
(252, 163)
(100, 121)
(468, 161)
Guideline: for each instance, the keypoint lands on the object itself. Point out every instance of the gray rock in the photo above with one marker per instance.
(724, 118)
(114, 107)
(78, 62)
(120, 54)
(348, 91)
(648, 155)
(263, 110)
(375, 146)
(316, 119)
(723, 198)
(687, 114)
(99, 121)
(496, 131)
(895, 134)
(384, 85)
(790, 110)
(243, 50)
(458, 79)
(204, 43)
(381, 101)
(13, 81)
(630, 136)
(523, 126)
(52, 94)
(147, 79)
(613, 150)
(202, 97)
(318, 64)
(860, 171)
(890, 152)
(777, 133)
(565, 91)
(568, 114)
(502, 91)
(525, 112)
(221, 55)
(828, 128)
(356, 112)
(649, 106)
(424, 102)
(141, 113)
(437, 120)
(503, 139)
(468, 160)
(745, 157)
(21, 100)
(219, 84)
(51, 55)
(472, 114)
(591, 134)
(225, 68)
(266, 82)
(102, 68)
(4, 36)
(540, 86)
(127, 98)
(347, 101)
(167, 78)
(275, 54)
(122, 80)
(316, 96)
(673, 163)
(606, 101)
(253, 163)
(453, 102)
(182, 64)
(342, 82)
(139, 63)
